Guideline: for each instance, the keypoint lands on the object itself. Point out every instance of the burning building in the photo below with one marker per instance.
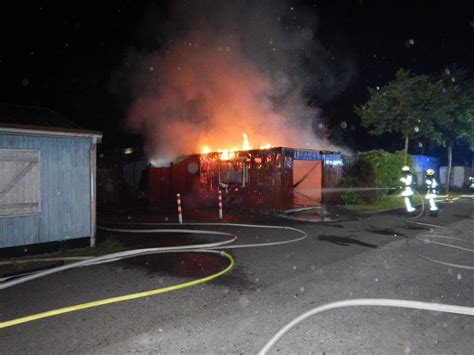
(224, 69)
(269, 178)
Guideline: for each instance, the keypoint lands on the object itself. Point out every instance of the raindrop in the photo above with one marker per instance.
(417, 129)
(420, 144)
(410, 42)
(459, 277)
(294, 267)
(244, 301)
(301, 289)
(25, 82)
(453, 79)
(160, 329)
(257, 279)
(226, 290)
(378, 87)
(343, 124)
(447, 71)
(152, 68)
(320, 125)
(313, 267)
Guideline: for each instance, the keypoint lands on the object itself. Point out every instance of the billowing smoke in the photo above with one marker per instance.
(230, 67)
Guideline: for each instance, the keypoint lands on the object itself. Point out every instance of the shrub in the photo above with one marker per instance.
(373, 169)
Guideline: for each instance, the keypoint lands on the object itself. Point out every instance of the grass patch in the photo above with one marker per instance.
(108, 246)
(386, 203)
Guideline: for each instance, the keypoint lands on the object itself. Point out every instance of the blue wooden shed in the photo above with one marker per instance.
(47, 178)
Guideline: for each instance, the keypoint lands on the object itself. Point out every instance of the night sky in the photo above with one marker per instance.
(63, 55)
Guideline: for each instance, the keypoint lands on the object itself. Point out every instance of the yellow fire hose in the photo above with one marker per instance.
(131, 296)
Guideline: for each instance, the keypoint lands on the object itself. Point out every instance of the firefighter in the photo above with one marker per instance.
(407, 189)
(431, 186)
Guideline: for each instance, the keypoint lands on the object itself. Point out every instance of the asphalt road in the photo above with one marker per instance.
(378, 256)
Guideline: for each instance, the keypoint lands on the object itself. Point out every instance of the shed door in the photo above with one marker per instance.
(19, 182)
(307, 182)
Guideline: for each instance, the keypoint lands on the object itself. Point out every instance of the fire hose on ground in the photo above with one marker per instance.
(208, 248)
(364, 302)
(199, 248)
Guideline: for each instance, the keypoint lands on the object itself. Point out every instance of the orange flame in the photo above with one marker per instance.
(229, 153)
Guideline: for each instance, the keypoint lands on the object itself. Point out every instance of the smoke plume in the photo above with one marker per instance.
(230, 67)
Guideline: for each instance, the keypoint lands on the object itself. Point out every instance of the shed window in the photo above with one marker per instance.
(19, 182)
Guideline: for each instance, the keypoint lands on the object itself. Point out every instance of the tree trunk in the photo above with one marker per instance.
(448, 170)
(405, 157)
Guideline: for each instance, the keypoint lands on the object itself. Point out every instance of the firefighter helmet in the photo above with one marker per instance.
(430, 172)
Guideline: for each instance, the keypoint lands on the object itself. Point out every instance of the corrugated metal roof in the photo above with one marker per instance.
(36, 118)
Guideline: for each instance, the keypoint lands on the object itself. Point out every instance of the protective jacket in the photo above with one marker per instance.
(407, 183)
(431, 186)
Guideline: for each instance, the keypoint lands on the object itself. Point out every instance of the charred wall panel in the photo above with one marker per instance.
(332, 174)
(159, 188)
(166, 182)
(250, 179)
(307, 182)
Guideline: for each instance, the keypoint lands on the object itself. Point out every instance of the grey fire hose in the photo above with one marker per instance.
(137, 252)
(446, 308)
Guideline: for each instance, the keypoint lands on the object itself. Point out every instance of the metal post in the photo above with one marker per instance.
(220, 205)
(180, 212)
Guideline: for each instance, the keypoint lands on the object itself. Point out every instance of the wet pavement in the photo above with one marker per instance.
(381, 255)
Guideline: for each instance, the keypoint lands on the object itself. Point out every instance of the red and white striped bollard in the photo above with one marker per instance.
(180, 212)
(220, 205)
